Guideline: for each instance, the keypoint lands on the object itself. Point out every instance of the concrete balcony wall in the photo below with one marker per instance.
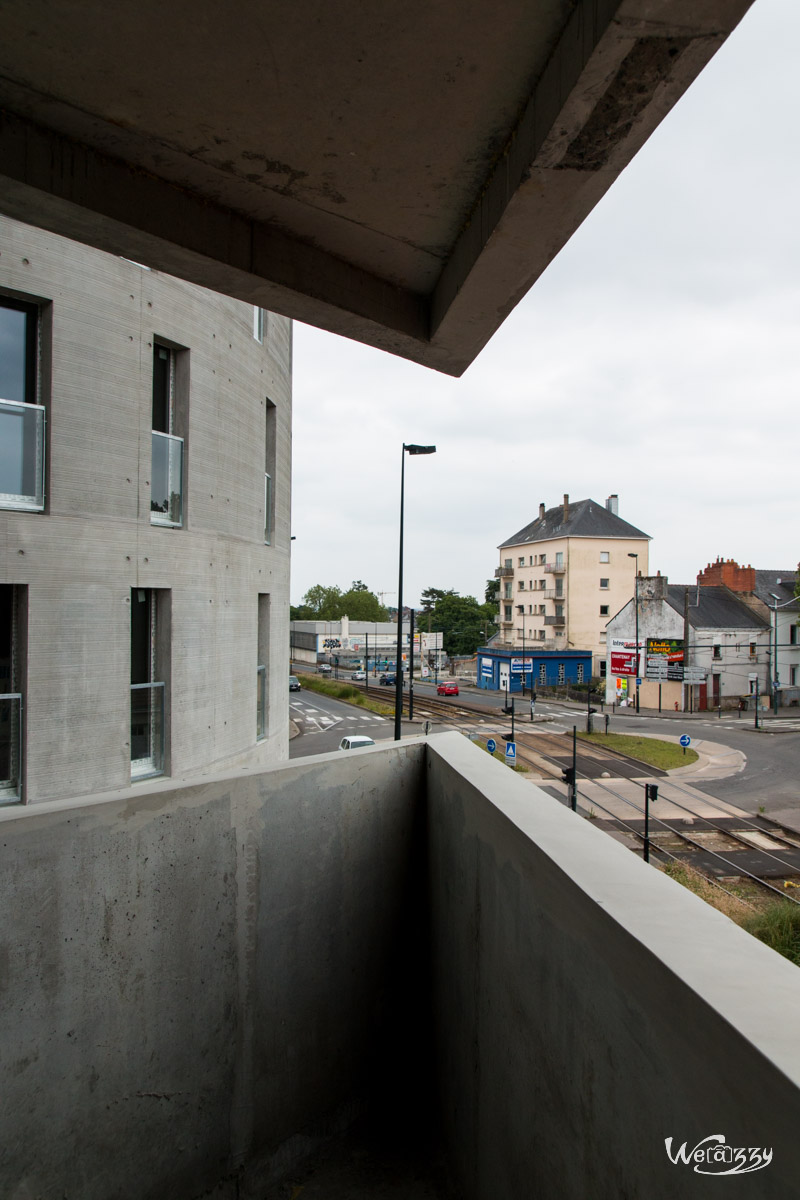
(198, 983)
(588, 1007)
(201, 986)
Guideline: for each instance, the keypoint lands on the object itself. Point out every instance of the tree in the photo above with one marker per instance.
(431, 597)
(462, 620)
(322, 603)
(492, 593)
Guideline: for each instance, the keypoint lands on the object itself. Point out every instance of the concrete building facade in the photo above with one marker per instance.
(145, 426)
(565, 573)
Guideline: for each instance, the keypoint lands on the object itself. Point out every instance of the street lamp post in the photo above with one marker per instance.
(775, 675)
(636, 609)
(398, 693)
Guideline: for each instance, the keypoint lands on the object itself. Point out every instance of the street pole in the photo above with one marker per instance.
(574, 797)
(411, 667)
(650, 793)
(755, 722)
(366, 661)
(398, 691)
(523, 655)
(636, 610)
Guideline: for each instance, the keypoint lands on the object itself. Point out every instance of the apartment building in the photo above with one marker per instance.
(145, 431)
(566, 573)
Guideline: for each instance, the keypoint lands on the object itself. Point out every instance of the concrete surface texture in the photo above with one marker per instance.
(77, 562)
(285, 978)
(400, 175)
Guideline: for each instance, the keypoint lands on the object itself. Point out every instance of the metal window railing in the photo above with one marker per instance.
(166, 483)
(261, 703)
(147, 729)
(22, 429)
(267, 509)
(10, 748)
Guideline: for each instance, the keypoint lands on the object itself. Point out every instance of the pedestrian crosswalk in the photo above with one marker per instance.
(315, 720)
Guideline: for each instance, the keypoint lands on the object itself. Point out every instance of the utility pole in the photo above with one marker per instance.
(688, 688)
(411, 668)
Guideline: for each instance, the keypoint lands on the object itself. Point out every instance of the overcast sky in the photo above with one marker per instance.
(657, 357)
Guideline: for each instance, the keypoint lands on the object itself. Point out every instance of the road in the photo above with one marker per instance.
(771, 777)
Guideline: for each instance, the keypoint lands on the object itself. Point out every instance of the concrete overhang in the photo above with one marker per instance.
(398, 174)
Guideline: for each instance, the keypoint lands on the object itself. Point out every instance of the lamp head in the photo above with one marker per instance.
(632, 555)
(419, 449)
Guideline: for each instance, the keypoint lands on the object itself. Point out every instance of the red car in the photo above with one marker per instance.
(447, 689)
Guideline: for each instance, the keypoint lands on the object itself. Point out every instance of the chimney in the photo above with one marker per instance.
(612, 504)
(727, 573)
(541, 512)
(566, 506)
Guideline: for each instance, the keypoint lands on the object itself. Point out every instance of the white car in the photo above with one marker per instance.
(358, 676)
(355, 742)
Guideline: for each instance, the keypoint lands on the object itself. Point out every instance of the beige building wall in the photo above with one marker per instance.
(566, 603)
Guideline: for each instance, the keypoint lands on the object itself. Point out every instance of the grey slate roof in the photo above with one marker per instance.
(585, 518)
(714, 608)
(767, 583)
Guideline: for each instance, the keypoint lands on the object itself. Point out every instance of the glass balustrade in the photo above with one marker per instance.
(261, 703)
(147, 729)
(166, 483)
(21, 455)
(10, 747)
(268, 509)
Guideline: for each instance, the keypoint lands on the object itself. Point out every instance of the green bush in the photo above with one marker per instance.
(778, 926)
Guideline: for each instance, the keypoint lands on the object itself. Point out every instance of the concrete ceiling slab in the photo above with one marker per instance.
(399, 174)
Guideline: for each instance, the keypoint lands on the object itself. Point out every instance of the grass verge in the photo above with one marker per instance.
(346, 692)
(499, 754)
(655, 753)
(773, 921)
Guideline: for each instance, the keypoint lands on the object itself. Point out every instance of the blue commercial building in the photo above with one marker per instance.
(501, 670)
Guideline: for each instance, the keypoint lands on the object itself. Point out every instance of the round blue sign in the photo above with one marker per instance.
(491, 745)
(685, 739)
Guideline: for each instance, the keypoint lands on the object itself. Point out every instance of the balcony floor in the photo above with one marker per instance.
(361, 1168)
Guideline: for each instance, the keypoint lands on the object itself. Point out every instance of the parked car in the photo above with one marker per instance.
(447, 689)
(388, 680)
(294, 683)
(355, 742)
(358, 676)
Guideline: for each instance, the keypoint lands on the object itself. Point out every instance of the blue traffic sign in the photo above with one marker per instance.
(685, 740)
(511, 751)
(638, 683)
(491, 745)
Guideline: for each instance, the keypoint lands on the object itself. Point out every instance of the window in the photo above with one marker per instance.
(522, 585)
(507, 591)
(559, 558)
(269, 471)
(541, 635)
(559, 586)
(166, 483)
(13, 608)
(262, 658)
(559, 612)
(793, 676)
(507, 609)
(148, 685)
(521, 560)
(542, 559)
(604, 585)
(605, 556)
(580, 673)
(753, 650)
(507, 562)
(603, 636)
(22, 418)
(717, 652)
(561, 673)
(541, 610)
(531, 560)
(603, 610)
(530, 610)
(521, 608)
(792, 635)
(542, 584)
(542, 672)
(602, 668)
(259, 322)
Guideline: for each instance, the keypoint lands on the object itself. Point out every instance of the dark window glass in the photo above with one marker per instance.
(161, 389)
(140, 635)
(18, 351)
